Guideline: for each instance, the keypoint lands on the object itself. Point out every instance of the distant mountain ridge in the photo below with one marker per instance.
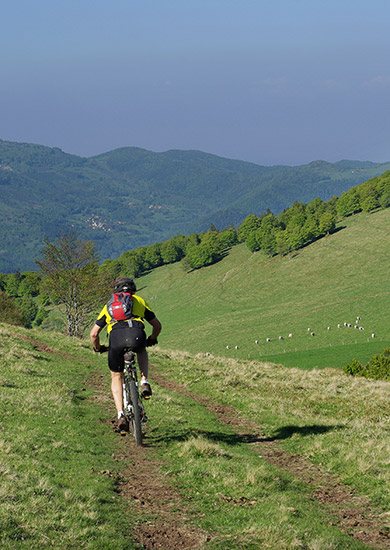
(130, 197)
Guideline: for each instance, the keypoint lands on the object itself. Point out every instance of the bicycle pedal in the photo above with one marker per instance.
(123, 433)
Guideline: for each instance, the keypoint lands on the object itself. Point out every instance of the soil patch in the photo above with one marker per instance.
(351, 512)
(38, 346)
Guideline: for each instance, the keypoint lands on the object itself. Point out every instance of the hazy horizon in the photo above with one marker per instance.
(281, 83)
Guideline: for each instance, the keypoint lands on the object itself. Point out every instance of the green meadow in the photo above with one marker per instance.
(247, 297)
(60, 471)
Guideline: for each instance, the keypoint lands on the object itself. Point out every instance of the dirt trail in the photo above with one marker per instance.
(143, 484)
(350, 512)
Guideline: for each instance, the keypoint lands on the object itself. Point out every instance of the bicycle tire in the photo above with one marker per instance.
(135, 423)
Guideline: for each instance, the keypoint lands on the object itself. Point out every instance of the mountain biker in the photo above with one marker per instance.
(126, 334)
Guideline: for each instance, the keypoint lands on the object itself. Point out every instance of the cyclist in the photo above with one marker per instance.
(126, 334)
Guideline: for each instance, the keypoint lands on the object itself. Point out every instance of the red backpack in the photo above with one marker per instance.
(120, 306)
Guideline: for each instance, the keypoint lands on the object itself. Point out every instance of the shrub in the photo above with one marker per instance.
(9, 311)
(377, 368)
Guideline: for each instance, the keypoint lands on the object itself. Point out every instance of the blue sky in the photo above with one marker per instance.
(268, 81)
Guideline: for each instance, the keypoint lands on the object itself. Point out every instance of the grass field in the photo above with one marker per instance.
(52, 446)
(248, 297)
(59, 455)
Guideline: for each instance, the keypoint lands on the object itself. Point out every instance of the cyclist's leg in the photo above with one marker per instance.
(143, 362)
(116, 364)
(116, 390)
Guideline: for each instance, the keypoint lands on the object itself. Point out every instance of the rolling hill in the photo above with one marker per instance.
(247, 297)
(131, 197)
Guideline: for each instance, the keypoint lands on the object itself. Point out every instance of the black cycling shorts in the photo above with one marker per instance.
(122, 337)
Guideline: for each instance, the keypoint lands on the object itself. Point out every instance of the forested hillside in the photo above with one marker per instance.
(132, 197)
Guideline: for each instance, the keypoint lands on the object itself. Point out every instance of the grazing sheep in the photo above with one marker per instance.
(290, 335)
(328, 328)
(280, 337)
(256, 341)
(309, 329)
(356, 326)
(361, 328)
(227, 347)
(349, 324)
(236, 347)
(312, 334)
(268, 340)
(373, 335)
(345, 324)
(358, 318)
(339, 326)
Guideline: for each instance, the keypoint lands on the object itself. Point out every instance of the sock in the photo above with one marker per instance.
(120, 413)
(145, 382)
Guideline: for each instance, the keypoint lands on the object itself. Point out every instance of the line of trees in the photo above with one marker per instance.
(195, 251)
(302, 223)
(72, 279)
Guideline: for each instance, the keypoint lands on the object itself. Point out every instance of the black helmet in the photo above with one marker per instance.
(125, 284)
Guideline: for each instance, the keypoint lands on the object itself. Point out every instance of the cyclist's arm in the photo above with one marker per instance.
(156, 327)
(94, 336)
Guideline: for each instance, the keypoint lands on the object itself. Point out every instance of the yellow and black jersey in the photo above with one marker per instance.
(141, 310)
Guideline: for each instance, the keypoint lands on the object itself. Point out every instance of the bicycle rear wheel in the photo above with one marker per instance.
(135, 421)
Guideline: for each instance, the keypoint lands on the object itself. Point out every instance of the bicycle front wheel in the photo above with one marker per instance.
(135, 423)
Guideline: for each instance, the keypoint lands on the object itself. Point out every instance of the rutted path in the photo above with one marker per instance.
(350, 512)
(144, 486)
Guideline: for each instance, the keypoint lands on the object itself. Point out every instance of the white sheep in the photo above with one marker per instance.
(312, 334)
(280, 337)
(339, 326)
(345, 324)
(268, 340)
(309, 329)
(290, 335)
(373, 335)
(236, 347)
(227, 347)
(256, 342)
(328, 328)
(349, 324)
(361, 328)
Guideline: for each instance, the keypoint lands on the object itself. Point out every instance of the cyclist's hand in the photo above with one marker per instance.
(151, 341)
(102, 349)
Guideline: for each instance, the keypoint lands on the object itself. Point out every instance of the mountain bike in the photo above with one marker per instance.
(132, 402)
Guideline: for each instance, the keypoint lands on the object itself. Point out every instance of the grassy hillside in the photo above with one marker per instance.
(300, 461)
(132, 197)
(248, 297)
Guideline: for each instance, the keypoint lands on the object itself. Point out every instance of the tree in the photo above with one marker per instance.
(12, 284)
(28, 309)
(249, 225)
(348, 203)
(9, 312)
(71, 277)
(172, 250)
